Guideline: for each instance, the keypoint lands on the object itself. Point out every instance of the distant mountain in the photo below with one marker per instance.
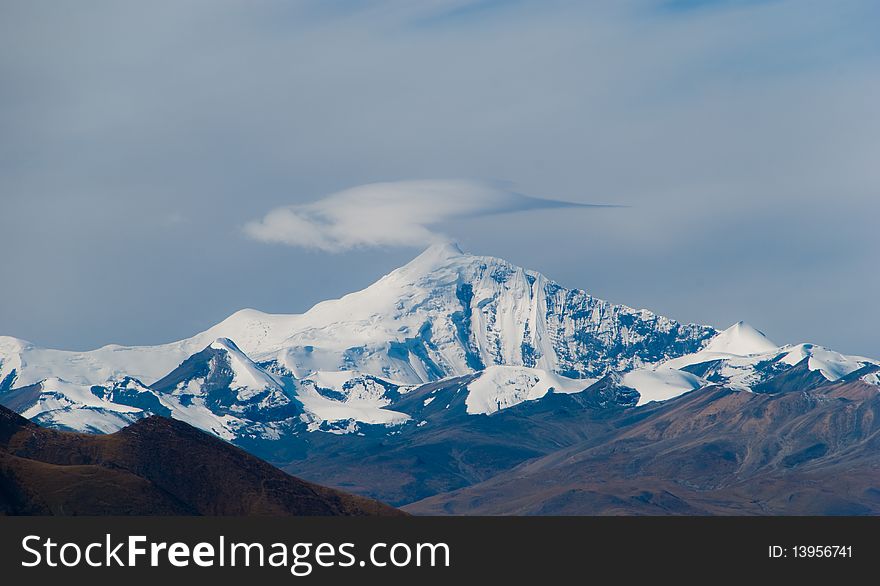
(156, 466)
(742, 358)
(444, 314)
(342, 366)
(446, 372)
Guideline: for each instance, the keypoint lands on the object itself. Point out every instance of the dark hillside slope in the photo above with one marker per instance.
(156, 466)
(711, 451)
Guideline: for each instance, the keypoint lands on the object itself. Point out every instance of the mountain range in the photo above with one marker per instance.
(449, 373)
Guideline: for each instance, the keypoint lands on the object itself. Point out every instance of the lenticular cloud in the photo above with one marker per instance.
(402, 213)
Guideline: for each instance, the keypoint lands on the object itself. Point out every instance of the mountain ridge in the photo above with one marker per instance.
(794, 451)
(343, 365)
(432, 277)
(452, 371)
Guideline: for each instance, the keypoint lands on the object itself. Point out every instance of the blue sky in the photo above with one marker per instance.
(139, 140)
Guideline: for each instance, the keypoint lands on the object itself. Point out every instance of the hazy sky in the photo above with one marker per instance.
(155, 157)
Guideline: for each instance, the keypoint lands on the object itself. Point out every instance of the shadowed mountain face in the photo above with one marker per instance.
(451, 449)
(156, 466)
(713, 451)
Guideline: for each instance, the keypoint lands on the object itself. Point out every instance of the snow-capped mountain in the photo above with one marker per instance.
(218, 389)
(444, 314)
(224, 380)
(501, 334)
(743, 358)
(58, 403)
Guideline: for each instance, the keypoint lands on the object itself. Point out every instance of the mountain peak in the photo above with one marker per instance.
(435, 256)
(245, 372)
(441, 250)
(741, 339)
(226, 345)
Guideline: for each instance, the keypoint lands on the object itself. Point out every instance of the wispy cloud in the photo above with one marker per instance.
(400, 213)
(727, 124)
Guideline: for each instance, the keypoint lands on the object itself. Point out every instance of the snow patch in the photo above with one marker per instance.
(832, 365)
(364, 407)
(660, 384)
(500, 387)
(872, 378)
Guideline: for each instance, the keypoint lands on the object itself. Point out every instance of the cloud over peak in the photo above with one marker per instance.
(400, 213)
